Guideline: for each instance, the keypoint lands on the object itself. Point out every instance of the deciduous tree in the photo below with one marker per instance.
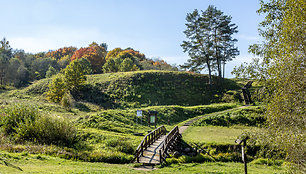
(59, 53)
(94, 53)
(282, 63)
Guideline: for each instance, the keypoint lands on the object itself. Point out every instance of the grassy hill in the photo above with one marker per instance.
(146, 88)
(102, 134)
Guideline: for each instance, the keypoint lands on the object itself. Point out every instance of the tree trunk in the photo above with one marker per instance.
(219, 68)
(223, 68)
(209, 73)
(217, 56)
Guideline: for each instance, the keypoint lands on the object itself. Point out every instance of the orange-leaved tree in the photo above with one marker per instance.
(94, 53)
(126, 53)
(61, 52)
(123, 60)
(113, 53)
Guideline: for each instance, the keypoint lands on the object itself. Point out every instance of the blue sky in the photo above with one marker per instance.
(154, 27)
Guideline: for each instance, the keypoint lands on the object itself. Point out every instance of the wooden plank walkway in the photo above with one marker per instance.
(155, 146)
(151, 154)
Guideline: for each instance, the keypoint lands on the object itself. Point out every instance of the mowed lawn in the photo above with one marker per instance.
(214, 134)
(48, 165)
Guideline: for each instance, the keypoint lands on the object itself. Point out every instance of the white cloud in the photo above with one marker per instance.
(178, 60)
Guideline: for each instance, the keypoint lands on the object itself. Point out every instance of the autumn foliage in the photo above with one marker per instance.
(113, 53)
(94, 53)
(127, 53)
(62, 52)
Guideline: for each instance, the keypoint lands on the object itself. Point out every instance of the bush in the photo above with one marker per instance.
(57, 88)
(17, 114)
(68, 100)
(24, 122)
(268, 162)
(232, 96)
(121, 145)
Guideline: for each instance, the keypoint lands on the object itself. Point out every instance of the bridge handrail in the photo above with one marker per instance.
(165, 143)
(149, 139)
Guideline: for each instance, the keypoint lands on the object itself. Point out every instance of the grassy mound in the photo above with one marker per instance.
(146, 88)
(249, 116)
(123, 121)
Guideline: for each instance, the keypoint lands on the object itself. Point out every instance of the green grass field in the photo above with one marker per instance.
(215, 134)
(46, 164)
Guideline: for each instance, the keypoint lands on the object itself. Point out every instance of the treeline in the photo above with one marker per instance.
(18, 68)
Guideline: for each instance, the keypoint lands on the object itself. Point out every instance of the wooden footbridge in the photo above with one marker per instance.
(156, 145)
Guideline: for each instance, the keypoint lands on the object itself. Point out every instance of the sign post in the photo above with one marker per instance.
(243, 154)
(152, 119)
(139, 114)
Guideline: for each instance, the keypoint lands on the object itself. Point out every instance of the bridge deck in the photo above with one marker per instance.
(151, 154)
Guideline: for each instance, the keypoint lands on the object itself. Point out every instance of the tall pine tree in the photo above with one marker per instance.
(210, 43)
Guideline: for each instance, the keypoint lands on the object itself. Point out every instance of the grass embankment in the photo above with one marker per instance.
(124, 120)
(217, 132)
(105, 136)
(225, 127)
(142, 89)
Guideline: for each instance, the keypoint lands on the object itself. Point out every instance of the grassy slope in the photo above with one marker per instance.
(156, 88)
(222, 138)
(124, 120)
(144, 88)
(106, 135)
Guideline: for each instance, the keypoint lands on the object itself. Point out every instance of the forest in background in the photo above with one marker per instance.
(18, 68)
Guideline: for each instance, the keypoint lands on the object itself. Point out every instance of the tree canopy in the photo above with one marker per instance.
(281, 69)
(94, 53)
(210, 43)
(19, 69)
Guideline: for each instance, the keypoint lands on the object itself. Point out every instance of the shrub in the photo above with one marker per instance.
(17, 114)
(57, 88)
(268, 162)
(121, 145)
(24, 122)
(50, 130)
(232, 96)
(68, 100)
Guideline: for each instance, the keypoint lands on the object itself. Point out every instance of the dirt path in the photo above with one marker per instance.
(188, 123)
